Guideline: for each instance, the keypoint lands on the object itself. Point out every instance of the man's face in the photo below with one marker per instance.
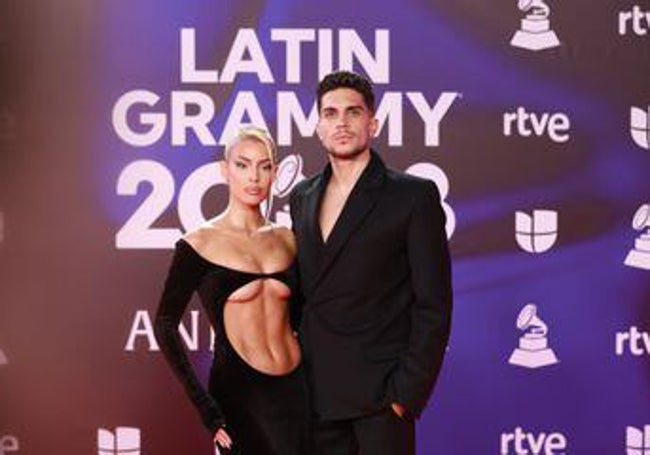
(345, 124)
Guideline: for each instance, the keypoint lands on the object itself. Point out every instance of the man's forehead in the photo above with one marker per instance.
(342, 97)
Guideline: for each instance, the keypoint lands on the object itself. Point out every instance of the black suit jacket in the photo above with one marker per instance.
(377, 297)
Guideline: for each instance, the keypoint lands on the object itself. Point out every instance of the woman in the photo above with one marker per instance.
(243, 270)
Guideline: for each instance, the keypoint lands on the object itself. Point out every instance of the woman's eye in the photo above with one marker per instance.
(240, 165)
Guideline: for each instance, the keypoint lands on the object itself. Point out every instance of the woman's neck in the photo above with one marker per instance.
(246, 219)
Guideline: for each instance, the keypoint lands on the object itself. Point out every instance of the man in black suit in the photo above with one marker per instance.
(376, 281)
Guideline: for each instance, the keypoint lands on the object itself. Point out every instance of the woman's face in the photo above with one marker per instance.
(249, 172)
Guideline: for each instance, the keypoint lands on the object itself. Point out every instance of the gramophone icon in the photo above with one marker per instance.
(535, 33)
(533, 350)
(289, 175)
(639, 256)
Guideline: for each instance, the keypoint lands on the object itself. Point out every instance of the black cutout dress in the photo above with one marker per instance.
(264, 414)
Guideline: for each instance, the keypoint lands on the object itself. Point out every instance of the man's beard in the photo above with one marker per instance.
(347, 155)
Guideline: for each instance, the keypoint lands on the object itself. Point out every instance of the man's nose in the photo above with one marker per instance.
(342, 121)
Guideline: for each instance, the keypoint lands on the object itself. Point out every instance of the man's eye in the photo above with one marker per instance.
(240, 165)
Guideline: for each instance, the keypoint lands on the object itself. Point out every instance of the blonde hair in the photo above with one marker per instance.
(261, 135)
(254, 133)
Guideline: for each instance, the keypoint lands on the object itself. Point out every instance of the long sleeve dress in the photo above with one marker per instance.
(263, 413)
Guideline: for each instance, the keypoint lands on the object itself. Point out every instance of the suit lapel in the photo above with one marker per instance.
(310, 249)
(359, 205)
(313, 198)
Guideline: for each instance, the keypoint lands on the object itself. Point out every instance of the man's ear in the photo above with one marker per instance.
(374, 126)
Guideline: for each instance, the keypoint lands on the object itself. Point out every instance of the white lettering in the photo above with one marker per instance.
(245, 105)
(638, 343)
(182, 120)
(390, 110)
(246, 42)
(191, 339)
(156, 121)
(621, 338)
(193, 111)
(557, 125)
(351, 46)
(293, 39)
(432, 117)
(290, 113)
(325, 53)
(521, 443)
(141, 327)
(189, 73)
(639, 19)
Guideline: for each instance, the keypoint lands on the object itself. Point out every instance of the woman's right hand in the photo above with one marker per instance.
(222, 438)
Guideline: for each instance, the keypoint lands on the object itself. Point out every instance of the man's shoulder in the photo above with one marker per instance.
(409, 184)
(302, 186)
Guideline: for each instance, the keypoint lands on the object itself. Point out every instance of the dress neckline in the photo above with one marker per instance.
(230, 269)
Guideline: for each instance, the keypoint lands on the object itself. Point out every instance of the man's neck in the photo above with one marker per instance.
(346, 172)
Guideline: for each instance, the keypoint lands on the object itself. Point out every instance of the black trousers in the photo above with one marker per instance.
(382, 433)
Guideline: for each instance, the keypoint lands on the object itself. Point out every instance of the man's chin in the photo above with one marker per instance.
(346, 154)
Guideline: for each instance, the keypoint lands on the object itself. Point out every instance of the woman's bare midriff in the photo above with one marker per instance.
(256, 320)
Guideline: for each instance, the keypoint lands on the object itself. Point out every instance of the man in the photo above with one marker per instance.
(376, 281)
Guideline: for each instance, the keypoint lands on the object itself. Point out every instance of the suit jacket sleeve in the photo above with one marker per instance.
(184, 276)
(413, 380)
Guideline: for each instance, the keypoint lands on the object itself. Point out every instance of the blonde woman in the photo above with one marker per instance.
(244, 272)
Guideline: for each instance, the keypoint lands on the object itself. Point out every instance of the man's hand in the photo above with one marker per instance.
(398, 409)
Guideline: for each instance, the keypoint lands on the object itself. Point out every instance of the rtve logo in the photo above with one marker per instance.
(8, 444)
(637, 343)
(555, 125)
(519, 442)
(124, 441)
(637, 441)
(636, 20)
(536, 233)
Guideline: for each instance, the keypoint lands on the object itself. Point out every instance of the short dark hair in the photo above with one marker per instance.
(346, 79)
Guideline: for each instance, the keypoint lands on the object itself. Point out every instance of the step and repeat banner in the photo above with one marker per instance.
(531, 116)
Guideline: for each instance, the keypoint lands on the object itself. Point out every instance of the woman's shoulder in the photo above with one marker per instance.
(207, 234)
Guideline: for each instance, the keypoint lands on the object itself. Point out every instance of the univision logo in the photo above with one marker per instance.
(124, 441)
(536, 233)
(638, 441)
(640, 126)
